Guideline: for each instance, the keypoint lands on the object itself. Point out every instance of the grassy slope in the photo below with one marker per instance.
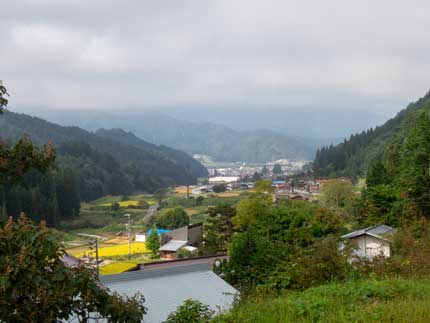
(391, 300)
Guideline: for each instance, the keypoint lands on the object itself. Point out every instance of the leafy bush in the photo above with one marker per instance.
(190, 311)
(219, 188)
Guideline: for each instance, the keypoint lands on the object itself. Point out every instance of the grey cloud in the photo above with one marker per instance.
(285, 54)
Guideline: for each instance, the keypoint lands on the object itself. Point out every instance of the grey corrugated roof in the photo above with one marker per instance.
(165, 289)
(173, 245)
(377, 231)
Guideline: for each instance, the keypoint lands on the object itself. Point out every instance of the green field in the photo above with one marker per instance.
(391, 300)
(97, 217)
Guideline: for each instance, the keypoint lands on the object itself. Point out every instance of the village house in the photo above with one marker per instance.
(372, 241)
(188, 236)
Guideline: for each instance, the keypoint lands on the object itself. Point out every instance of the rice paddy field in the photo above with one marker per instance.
(98, 218)
(115, 268)
(110, 251)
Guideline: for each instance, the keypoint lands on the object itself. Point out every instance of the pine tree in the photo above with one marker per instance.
(377, 175)
(415, 171)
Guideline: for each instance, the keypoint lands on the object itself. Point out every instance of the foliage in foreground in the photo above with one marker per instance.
(190, 311)
(391, 300)
(36, 286)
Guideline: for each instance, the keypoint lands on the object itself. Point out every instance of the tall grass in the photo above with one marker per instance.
(391, 300)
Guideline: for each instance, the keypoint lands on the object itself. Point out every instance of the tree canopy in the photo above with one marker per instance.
(173, 218)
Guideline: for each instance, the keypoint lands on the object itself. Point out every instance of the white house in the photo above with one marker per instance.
(372, 241)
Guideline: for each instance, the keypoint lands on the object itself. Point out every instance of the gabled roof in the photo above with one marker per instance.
(377, 231)
(167, 288)
(173, 245)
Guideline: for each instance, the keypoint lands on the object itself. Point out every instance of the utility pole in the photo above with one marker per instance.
(94, 239)
(128, 226)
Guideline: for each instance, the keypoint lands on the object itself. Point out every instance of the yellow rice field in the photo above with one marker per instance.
(128, 203)
(118, 250)
(124, 203)
(116, 268)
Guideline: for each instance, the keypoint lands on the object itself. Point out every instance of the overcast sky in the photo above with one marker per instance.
(283, 54)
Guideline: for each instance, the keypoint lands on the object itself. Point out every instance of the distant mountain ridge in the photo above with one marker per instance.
(220, 142)
(354, 156)
(138, 165)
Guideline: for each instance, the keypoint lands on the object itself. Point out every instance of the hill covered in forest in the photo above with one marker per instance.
(220, 142)
(111, 162)
(353, 156)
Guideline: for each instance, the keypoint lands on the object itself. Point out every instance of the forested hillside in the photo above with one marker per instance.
(353, 157)
(89, 166)
(178, 156)
(220, 142)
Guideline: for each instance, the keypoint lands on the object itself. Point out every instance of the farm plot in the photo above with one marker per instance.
(117, 250)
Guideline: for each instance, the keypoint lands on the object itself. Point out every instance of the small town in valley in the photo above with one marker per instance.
(214, 161)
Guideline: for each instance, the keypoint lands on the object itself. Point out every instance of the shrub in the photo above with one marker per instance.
(115, 206)
(219, 188)
(190, 311)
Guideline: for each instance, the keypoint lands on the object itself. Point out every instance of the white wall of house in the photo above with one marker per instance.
(140, 238)
(368, 246)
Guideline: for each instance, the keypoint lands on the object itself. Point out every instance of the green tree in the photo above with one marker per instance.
(3, 213)
(277, 169)
(265, 171)
(3, 100)
(249, 210)
(250, 258)
(115, 206)
(256, 177)
(153, 243)
(218, 228)
(337, 193)
(414, 176)
(173, 219)
(264, 186)
(199, 200)
(190, 311)
(36, 286)
(219, 188)
(377, 174)
(160, 194)
(17, 161)
(381, 204)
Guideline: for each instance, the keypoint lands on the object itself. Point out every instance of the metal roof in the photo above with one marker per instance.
(377, 231)
(173, 245)
(167, 288)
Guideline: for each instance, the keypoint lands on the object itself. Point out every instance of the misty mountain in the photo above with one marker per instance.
(220, 142)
